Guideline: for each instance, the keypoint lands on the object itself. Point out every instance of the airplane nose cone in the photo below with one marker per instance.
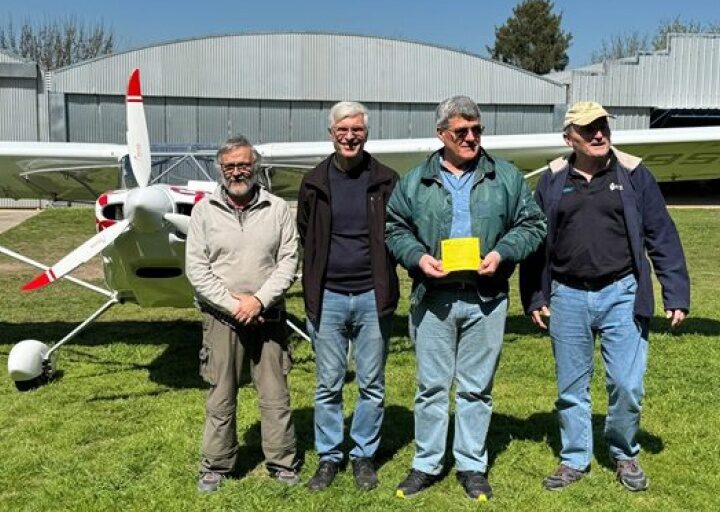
(146, 206)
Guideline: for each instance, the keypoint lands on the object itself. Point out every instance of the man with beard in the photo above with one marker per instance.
(242, 256)
(605, 213)
(459, 192)
(350, 289)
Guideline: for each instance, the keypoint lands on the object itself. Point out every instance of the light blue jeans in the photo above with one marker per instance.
(577, 315)
(458, 337)
(346, 318)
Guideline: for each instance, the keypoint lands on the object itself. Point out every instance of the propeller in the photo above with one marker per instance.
(138, 140)
(79, 256)
(180, 221)
(138, 143)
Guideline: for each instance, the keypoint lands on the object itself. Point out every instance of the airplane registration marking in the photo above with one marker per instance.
(702, 158)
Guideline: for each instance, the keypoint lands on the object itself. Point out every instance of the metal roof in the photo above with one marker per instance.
(310, 66)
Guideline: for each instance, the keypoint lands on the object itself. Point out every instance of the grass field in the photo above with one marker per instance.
(120, 428)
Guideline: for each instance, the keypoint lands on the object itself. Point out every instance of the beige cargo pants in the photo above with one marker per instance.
(222, 355)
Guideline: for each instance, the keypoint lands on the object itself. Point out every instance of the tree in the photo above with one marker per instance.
(532, 38)
(629, 45)
(54, 44)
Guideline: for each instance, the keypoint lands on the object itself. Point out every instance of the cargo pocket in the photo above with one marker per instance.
(287, 360)
(205, 365)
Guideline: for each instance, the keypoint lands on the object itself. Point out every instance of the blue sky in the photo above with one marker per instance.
(466, 25)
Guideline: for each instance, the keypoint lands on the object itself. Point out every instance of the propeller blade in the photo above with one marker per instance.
(180, 221)
(79, 256)
(138, 140)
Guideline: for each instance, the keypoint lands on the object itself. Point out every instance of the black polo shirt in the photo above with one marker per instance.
(591, 244)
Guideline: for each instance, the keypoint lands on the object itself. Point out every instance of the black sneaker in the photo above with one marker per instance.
(475, 484)
(414, 483)
(562, 477)
(324, 475)
(210, 482)
(630, 474)
(364, 473)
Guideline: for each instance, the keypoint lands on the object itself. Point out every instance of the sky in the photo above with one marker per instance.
(464, 25)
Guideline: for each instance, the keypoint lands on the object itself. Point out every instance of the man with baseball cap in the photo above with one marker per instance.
(605, 215)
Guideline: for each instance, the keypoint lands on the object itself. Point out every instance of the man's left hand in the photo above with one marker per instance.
(676, 316)
(250, 308)
(490, 263)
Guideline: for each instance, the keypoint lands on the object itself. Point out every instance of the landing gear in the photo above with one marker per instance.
(31, 363)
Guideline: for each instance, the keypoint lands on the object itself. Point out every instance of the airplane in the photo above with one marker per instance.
(141, 229)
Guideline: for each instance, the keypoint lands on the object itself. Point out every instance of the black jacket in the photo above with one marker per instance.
(314, 222)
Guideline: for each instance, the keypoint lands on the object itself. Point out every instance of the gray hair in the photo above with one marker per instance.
(455, 106)
(239, 141)
(344, 109)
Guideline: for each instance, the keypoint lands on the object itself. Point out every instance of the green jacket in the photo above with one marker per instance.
(504, 216)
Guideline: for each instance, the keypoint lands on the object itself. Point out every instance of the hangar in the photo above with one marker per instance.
(278, 87)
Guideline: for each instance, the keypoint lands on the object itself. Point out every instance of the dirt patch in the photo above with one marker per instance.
(11, 218)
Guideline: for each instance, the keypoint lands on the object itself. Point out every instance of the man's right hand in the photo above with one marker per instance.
(537, 317)
(431, 267)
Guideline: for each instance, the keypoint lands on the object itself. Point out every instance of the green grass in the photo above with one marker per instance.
(120, 428)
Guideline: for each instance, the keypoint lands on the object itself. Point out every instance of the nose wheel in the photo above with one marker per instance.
(30, 364)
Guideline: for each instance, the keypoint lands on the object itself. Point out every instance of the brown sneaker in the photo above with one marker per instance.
(562, 477)
(630, 475)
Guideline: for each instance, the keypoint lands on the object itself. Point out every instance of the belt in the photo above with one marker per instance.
(591, 285)
(456, 286)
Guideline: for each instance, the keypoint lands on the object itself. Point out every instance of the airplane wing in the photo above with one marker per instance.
(670, 153)
(59, 170)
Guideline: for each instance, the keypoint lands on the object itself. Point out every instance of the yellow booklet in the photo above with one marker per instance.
(460, 254)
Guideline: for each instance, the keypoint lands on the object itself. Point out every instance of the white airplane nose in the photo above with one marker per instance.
(146, 206)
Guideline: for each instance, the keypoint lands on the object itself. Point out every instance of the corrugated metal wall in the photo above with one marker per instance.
(18, 99)
(310, 66)
(92, 118)
(686, 75)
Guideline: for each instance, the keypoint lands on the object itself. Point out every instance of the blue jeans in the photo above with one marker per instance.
(457, 337)
(577, 315)
(346, 318)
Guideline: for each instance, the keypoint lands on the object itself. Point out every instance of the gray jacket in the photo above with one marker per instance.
(250, 251)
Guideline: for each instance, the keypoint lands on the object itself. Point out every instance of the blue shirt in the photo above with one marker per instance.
(459, 188)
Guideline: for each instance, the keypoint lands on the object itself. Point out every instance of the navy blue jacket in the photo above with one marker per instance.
(651, 232)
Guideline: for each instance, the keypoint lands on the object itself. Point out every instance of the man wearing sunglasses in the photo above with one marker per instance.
(241, 257)
(459, 194)
(351, 290)
(605, 213)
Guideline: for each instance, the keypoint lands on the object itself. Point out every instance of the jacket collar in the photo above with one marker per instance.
(626, 160)
(219, 198)
(485, 166)
(319, 177)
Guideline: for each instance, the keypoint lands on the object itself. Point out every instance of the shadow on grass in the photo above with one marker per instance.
(397, 432)
(543, 427)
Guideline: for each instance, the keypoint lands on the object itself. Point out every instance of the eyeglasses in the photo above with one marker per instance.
(462, 133)
(342, 131)
(237, 166)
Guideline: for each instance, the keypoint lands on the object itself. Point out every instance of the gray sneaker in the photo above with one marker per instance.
(287, 476)
(562, 477)
(630, 474)
(209, 482)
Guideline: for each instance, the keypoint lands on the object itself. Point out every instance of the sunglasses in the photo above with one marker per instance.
(462, 133)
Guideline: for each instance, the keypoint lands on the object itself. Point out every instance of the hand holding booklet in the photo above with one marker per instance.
(460, 254)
